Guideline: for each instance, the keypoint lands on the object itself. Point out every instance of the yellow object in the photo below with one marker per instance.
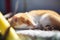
(3, 27)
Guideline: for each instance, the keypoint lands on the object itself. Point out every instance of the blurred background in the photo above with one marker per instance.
(7, 6)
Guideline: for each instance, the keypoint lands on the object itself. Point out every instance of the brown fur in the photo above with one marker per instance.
(54, 16)
(20, 18)
(23, 18)
(41, 12)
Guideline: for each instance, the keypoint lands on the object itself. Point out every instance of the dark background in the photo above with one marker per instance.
(27, 5)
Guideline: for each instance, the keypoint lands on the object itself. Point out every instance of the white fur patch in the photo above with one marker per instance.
(44, 20)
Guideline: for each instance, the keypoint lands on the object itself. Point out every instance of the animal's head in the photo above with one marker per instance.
(21, 18)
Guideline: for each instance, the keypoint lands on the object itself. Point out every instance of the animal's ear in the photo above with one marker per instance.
(15, 19)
